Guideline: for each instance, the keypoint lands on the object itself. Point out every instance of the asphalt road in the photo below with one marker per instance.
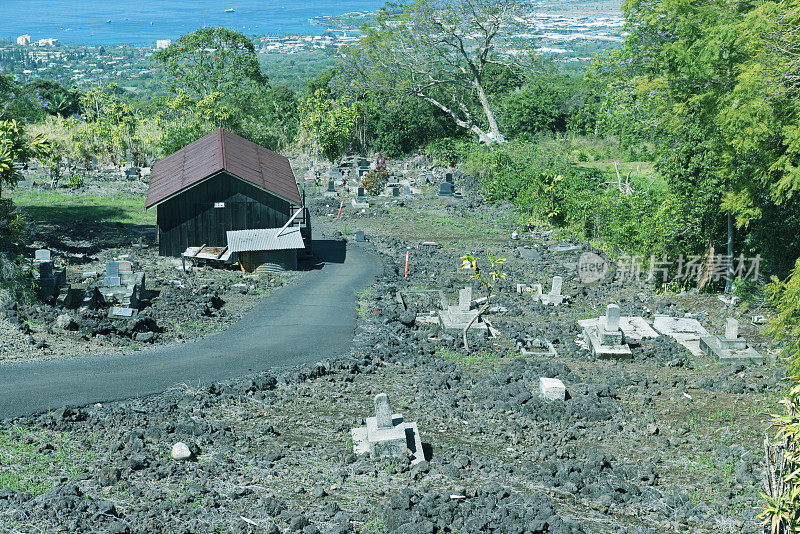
(301, 323)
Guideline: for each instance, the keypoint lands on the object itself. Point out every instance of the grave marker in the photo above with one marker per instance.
(118, 312)
(112, 277)
(387, 435)
(555, 289)
(729, 347)
(383, 413)
(612, 318)
(731, 328)
(445, 189)
(45, 269)
(465, 298)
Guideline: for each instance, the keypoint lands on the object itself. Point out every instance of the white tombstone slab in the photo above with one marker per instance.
(731, 328)
(552, 389)
(684, 330)
(465, 298)
(555, 289)
(612, 318)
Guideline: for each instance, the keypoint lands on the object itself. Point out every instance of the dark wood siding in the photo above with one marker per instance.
(190, 218)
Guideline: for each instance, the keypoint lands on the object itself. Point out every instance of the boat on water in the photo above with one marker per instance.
(230, 10)
(109, 20)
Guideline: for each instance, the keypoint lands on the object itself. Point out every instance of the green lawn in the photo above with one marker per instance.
(54, 206)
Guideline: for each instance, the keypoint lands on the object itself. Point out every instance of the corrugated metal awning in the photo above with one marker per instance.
(264, 239)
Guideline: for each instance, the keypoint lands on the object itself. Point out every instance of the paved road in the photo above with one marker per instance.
(301, 323)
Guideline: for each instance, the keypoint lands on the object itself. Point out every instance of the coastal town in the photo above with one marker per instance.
(569, 38)
(86, 66)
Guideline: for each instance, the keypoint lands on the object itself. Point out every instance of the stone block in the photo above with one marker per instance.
(558, 282)
(603, 351)
(42, 254)
(465, 299)
(566, 248)
(118, 312)
(529, 254)
(612, 318)
(383, 412)
(445, 189)
(455, 319)
(633, 328)
(715, 348)
(552, 389)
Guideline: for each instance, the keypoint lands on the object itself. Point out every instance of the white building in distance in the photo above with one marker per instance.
(162, 44)
(47, 42)
(24, 40)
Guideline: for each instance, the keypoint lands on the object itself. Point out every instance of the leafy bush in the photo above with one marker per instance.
(785, 296)
(75, 180)
(782, 509)
(376, 179)
(15, 282)
(447, 152)
(545, 186)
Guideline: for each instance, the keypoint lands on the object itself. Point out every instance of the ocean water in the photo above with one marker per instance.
(142, 22)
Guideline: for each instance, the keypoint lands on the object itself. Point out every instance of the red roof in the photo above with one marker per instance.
(218, 151)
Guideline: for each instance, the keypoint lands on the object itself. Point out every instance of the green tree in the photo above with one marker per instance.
(540, 105)
(702, 68)
(327, 124)
(110, 124)
(441, 52)
(212, 60)
(16, 149)
(54, 97)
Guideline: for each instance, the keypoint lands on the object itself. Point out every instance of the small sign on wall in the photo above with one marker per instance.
(219, 204)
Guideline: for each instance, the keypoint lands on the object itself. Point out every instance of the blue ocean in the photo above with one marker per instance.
(142, 22)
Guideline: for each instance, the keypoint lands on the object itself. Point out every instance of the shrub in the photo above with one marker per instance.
(376, 179)
(15, 282)
(75, 180)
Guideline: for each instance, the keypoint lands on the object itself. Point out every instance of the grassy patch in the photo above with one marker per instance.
(365, 293)
(467, 360)
(642, 173)
(32, 460)
(54, 206)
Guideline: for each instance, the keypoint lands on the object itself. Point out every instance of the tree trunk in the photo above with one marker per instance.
(464, 333)
(488, 111)
(729, 268)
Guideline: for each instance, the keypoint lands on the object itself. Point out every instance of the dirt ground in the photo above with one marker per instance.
(664, 442)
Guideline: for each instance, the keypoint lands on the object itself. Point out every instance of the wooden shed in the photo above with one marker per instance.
(223, 183)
